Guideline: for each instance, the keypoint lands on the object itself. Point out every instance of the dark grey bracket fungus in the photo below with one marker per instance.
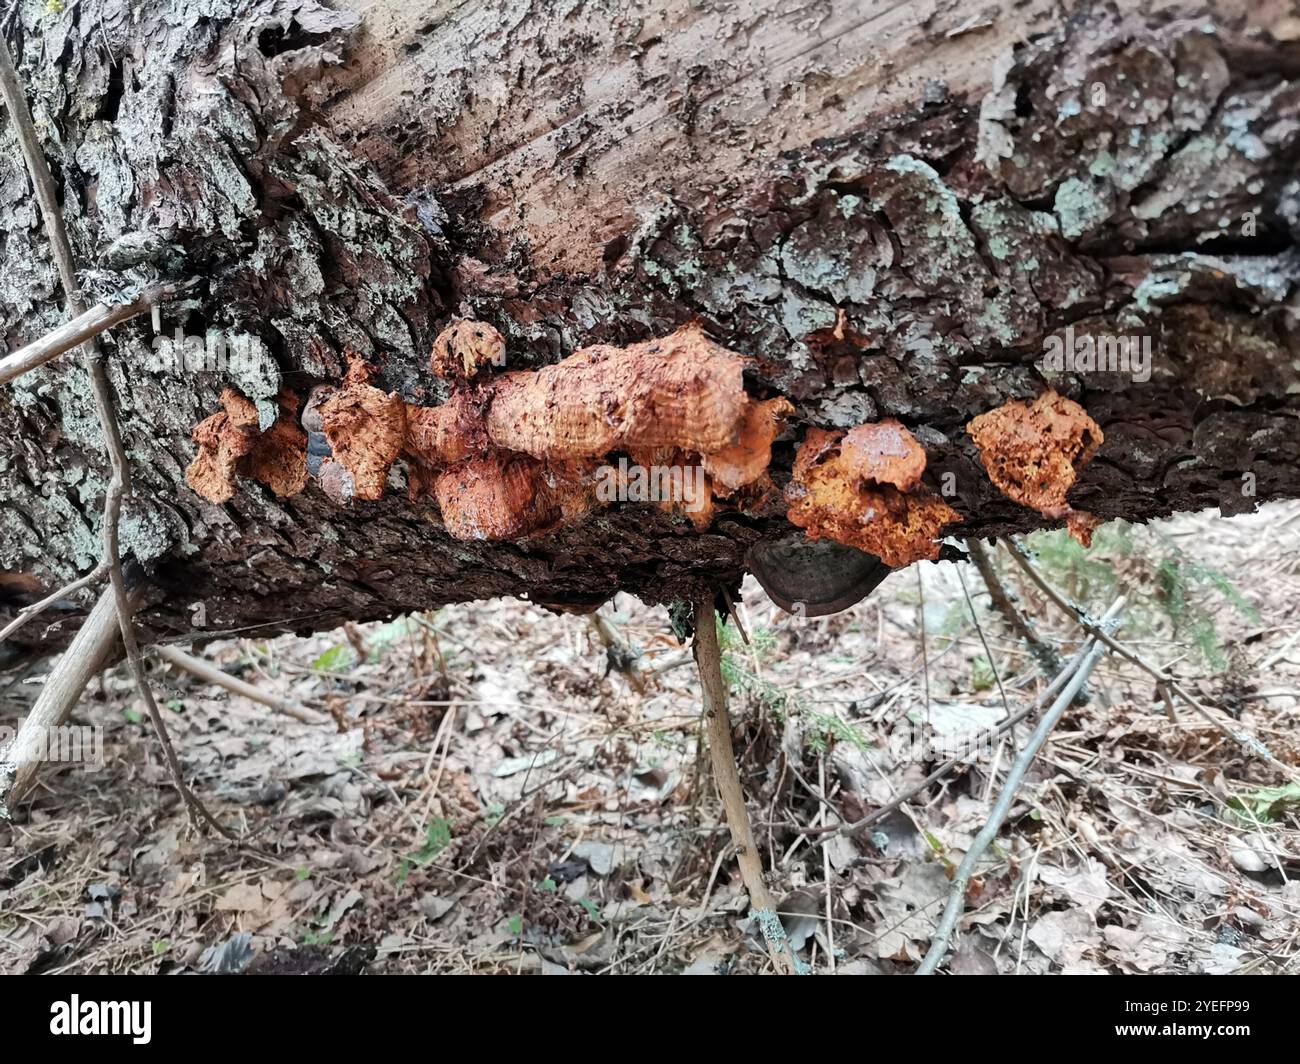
(814, 578)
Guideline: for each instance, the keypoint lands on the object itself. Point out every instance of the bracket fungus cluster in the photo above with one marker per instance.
(513, 454)
(863, 489)
(522, 452)
(1033, 453)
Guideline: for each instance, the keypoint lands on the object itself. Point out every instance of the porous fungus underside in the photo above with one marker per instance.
(863, 489)
(1033, 453)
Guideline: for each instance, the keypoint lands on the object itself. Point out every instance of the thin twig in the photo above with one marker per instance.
(1044, 653)
(925, 647)
(979, 630)
(1164, 681)
(618, 652)
(957, 892)
(211, 674)
(98, 319)
(27, 613)
(119, 483)
(708, 659)
(826, 873)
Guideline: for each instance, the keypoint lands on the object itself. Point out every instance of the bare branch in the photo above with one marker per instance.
(877, 815)
(1160, 675)
(211, 674)
(36, 608)
(76, 667)
(618, 652)
(1044, 653)
(99, 318)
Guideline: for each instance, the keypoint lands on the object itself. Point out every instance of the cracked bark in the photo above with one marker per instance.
(885, 205)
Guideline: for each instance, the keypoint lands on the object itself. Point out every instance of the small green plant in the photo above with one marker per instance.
(437, 838)
(1162, 582)
(982, 676)
(828, 727)
(736, 670)
(336, 659)
(1265, 805)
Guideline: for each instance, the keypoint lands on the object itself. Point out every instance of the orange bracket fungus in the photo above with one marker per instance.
(279, 455)
(1033, 453)
(230, 444)
(746, 460)
(681, 391)
(675, 405)
(863, 489)
(465, 348)
(366, 428)
(223, 439)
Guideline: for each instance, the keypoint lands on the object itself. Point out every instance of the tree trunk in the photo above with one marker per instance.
(894, 209)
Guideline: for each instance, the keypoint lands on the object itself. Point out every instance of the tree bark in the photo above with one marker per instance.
(890, 207)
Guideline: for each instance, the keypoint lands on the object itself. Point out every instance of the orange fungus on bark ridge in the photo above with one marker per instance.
(366, 428)
(681, 391)
(864, 489)
(1033, 453)
(223, 439)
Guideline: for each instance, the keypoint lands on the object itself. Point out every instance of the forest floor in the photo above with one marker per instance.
(490, 795)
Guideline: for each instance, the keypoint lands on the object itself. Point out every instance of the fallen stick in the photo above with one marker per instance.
(27, 613)
(957, 892)
(211, 674)
(618, 652)
(85, 656)
(99, 318)
(708, 659)
(1044, 653)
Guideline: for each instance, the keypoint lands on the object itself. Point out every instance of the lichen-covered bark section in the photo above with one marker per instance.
(1112, 176)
